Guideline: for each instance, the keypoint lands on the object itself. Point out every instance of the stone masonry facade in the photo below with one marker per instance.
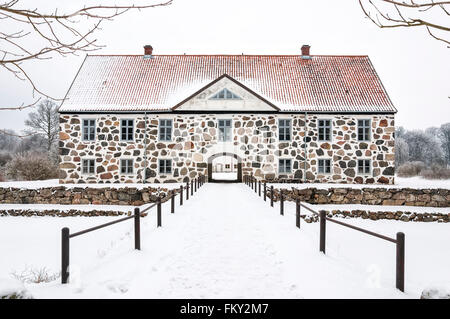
(254, 140)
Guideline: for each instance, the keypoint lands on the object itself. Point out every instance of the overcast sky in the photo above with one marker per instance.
(414, 68)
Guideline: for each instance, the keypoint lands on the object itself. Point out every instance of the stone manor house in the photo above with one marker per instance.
(167, 118)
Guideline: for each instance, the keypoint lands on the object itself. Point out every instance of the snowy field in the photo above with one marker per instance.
(225, 242)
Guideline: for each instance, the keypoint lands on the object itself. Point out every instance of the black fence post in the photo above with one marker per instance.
(265, 191)
(297, 212)
(259, 188)
(281, 203)
(181, 195)
(400, 263)
(192, 187)
(137, 228)
(322, 230)
(195, 184)
(187, 191)
(256, 185)
(65, 255)
(158, 205)
(172, 202)
(271, 195)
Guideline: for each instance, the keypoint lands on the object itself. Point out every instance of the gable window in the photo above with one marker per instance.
(165, 130)
(225, 94)
(126, 166)
(127, 130)
(88, 166)
(364, 166)
(165, 166)
(324, 127)
(88, 129)
(324, 166)
(284, 165)
(284, 130)
(224, 130)
(363, 130)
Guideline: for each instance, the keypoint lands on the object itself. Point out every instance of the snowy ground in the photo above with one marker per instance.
(84, 208)
(224, 176)
(225, 242)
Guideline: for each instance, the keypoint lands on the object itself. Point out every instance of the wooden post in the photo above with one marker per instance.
(65, 255)
(322, 230)
(158, 205)
(400, 262)
(271, 195)
(172, 202)
(281, 203)
(181, 195)
(265, 191)
(137, 228)
(297, 212)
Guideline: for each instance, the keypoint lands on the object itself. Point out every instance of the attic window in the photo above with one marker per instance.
(225, 94)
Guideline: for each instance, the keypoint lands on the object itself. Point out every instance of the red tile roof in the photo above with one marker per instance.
(319, 84)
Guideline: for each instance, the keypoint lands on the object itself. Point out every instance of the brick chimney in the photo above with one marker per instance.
(305, 52)
(148, 50)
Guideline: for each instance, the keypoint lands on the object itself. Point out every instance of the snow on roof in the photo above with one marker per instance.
(319, 84)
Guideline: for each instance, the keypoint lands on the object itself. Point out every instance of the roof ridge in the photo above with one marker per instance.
(212, 55)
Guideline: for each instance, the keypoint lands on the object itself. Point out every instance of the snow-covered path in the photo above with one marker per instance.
(225, 242)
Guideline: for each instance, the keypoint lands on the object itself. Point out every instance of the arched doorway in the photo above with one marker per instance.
(238, 167)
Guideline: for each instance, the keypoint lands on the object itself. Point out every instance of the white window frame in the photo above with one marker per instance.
(318, 165)
(231, 130)
(369, 130)
(121, 126)
(82, 129)
(284, 127)
(324, 127)
(234, 96)
(159, 166)
(132, 166)
(370, 166)
(290, 165)
(82, 166)
(165, 130)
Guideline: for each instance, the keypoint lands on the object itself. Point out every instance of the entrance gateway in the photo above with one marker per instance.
(210, 168)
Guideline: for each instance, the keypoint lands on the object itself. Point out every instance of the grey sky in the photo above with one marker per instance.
(414, 68)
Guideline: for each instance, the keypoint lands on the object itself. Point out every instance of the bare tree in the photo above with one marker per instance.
(45, 122)
(57, 34)
(428, 14)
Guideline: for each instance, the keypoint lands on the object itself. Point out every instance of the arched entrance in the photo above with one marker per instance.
(210, 167)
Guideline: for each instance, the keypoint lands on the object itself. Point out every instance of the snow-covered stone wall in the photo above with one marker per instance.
(254, 140)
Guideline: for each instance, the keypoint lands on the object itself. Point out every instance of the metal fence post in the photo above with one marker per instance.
(271, 195)
(297, 212)
(192, 187)
(259, 188)
(281, 203)
(172, 202)
(322, 230)
(181, 195)
(187, 191)
(195, 184)
(265, 191)
(65, 255)
(256, 185)
(137, 228)
(400, 263)
(158, 205)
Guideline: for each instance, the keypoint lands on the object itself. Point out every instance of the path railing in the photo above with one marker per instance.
(399, 241)
(194, 185)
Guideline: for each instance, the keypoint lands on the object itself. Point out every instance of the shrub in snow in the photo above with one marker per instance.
(31, 166)
(5, 158)
(436, 172)
(436, 293)
(12, 289)
(35, 275)
(410, 169)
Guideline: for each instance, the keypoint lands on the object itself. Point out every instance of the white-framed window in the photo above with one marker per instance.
(88, 129)
(364, 130)
(165, 130)
(225, 94)
(165, 166)
(324, 166)
(364, 166)
(126, 166)
(284, 165)
(88, 166)
(224, 130)
(324, 128)
(127, 129)
(284, 129)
